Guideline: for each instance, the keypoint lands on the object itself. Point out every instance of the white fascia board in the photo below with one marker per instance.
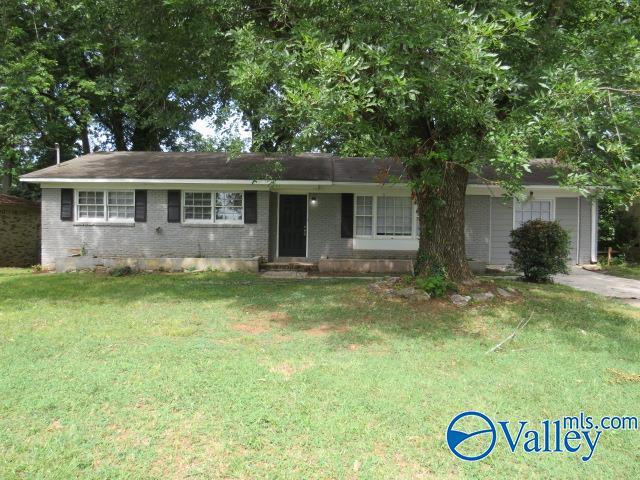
(173, 181)
(547, 190)
(294, 185)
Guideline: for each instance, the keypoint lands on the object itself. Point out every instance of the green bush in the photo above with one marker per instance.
(540, 249)
(121, 271)
(436, 283)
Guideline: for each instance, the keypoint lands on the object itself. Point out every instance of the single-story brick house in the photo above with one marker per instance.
(319, 208)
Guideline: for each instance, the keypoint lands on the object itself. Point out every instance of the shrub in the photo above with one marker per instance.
(436, 283)
(540, 249)
(121, 271)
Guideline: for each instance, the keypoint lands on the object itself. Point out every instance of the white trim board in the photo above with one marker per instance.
(304, 186)
(404, 244)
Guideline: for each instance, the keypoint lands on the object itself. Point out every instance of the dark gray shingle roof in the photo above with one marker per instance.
(247, 166)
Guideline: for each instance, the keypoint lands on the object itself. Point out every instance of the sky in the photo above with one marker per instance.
(234, 126)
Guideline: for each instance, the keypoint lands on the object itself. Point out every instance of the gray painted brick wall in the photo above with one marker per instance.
(324, 233)
(241, 241)
(143, 240)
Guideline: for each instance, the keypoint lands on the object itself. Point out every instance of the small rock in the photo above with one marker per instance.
(504, 293)
(459, 300)
(391, 280)
(482, 296)
(511, 289)
(407, 292)
(420, 297)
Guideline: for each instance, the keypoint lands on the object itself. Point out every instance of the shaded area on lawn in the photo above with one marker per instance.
(230, 375)
(337, 306)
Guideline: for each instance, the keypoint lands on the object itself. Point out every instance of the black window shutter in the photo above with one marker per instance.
(250, 206)
(173, 206)
(66, 204)
(140, 214)
(346, 224)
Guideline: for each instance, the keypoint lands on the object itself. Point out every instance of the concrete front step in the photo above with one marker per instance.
(283, 274)
(289, 267)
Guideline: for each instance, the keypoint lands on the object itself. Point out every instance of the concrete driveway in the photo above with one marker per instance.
(625, 289)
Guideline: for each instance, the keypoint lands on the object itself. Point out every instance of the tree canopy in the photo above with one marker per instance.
(446, 88)
(449, 89)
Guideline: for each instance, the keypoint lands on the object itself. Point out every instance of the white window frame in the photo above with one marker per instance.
(374, 223)
(213, 208)
(105, 206)
(552, 207)
(183, 207)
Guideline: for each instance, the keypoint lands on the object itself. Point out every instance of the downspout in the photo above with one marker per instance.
(594, 231)
(578, 235)
(490, 227)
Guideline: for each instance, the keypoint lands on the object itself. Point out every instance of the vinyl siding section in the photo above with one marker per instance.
(476, 226)
(501, 226)
(155, 237)
(567, 216)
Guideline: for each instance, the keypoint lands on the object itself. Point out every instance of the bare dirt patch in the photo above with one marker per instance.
(261, 321)
(623, 377)
(326, 329)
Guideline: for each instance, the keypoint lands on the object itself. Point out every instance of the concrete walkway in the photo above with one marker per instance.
(625, 289)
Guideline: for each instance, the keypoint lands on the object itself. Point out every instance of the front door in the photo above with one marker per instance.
(292, 233)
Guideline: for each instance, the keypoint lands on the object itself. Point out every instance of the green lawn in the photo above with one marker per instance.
(626, 270)
(233, 376)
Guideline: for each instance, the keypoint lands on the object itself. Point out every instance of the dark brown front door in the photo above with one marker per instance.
(293, 226)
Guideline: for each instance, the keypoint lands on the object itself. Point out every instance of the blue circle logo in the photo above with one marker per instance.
(471, 436)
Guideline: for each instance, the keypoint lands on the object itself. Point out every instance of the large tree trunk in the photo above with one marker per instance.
(145, 139)
(86, 144)
(7, 178)
(441, 214)
(116, 125)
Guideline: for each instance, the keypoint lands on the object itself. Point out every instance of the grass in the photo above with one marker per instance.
(625, 270)
(233, 376)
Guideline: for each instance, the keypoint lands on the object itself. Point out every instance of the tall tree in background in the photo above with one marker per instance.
(449, 90)
(128, 75)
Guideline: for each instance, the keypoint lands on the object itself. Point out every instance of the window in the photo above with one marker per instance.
(197, 206)
(91, 205)
(364, 215)
(214, 207)
(532, 210)
(394, 217)
(105, 206)
(120, 205)
(229, 207)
